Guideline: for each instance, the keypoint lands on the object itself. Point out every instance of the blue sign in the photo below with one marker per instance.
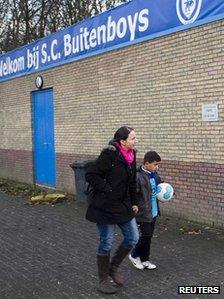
(130, 23)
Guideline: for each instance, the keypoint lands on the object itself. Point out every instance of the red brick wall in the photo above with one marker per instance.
(16, 165)
(199, 190)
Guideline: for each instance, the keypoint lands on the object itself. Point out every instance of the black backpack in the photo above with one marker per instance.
(89, 190)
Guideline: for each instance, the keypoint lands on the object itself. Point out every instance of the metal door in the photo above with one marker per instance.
(44, 149)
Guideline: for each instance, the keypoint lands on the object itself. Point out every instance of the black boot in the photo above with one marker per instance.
(105, 286)
(118, 257)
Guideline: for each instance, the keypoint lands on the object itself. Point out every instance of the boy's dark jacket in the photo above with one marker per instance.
(144, 192)
(114, 182)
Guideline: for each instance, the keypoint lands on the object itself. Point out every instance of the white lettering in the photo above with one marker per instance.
(106, 33)
(132, 25)
(33, 58)
(143, 20)
(101, 34)
(81, 39)
(85, 36)
(75, 44)
(111, 30)
(187, 290)
(54, 55)
(121, 27)
(44, 53)
(92, 38)
(198, 290)
(193, 290)
(216, 290)
(9, 66)
(67, 45)
(181, 290)
(125, 27)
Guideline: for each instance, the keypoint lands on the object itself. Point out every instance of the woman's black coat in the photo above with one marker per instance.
(114, 183)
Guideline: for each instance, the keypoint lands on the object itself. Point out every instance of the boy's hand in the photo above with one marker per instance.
(135, 209)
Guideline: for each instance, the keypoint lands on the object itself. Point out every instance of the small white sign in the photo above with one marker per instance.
(210, 112)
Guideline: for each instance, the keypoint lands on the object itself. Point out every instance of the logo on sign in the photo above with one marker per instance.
(188, 10)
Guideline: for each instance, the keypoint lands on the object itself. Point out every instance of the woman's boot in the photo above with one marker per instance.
(103, 263)
(118, 257)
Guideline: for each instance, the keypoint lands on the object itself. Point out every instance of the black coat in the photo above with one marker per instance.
(114, 183)
(144, 192)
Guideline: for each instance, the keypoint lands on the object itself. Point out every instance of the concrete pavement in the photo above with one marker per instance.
(48, 251)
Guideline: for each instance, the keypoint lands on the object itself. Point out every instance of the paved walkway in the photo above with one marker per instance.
(49, 252)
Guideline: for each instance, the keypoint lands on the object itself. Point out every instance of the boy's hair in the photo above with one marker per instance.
(151, 157)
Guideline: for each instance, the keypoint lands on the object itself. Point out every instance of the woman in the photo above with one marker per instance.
(112, 177)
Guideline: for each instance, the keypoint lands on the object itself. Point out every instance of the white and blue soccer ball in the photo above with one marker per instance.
(164, 192)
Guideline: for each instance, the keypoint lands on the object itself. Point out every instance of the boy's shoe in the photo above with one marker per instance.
(148, 265)
(136, 262)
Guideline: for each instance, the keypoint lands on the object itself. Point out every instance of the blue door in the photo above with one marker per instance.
(44, 150)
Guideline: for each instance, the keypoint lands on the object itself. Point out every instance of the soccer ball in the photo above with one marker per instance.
(164, 192)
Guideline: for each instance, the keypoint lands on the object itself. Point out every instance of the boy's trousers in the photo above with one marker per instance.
(142, 249)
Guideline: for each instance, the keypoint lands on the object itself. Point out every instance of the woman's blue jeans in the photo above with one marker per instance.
(107, 231)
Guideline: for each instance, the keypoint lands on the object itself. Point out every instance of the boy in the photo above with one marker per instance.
(147, 181)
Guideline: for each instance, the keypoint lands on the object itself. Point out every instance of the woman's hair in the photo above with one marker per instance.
(122, 133)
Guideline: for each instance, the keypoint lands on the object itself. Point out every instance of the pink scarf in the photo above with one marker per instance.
(127, 154)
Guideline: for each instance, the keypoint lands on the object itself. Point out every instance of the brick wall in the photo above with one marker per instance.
(199, 191)
(17, 165)
(158, 87)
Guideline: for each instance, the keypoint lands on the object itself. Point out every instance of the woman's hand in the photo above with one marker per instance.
(135, 209)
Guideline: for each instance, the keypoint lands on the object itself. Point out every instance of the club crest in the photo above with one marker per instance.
(188, 10)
